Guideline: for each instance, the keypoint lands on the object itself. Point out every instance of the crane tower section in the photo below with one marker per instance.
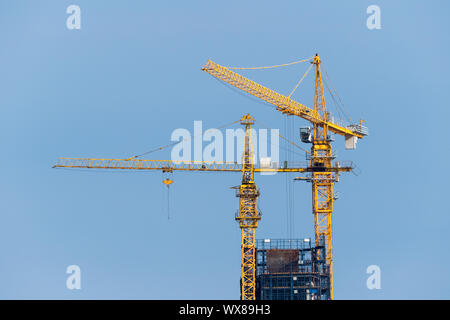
(248, 214)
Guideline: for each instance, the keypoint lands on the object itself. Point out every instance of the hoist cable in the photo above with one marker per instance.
(270, 67)
(337, 94)
(176, 142)
(335, 103)
(286, 139)
(298, 83)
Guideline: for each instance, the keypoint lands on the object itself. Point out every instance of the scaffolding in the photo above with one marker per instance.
(291, 269)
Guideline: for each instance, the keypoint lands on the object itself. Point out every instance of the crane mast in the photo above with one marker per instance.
(248, 215)
(322, 178)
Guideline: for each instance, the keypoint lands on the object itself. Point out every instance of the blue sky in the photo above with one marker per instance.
(131, 75)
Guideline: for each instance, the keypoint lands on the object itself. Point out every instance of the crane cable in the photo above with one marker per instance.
(270, 67)
(176, 142)
(286, 185)
(167, 182)
(253, 68)
(289, 186)
(298, 83)
(335, 103)
(340, 100)
(291, 181)
(286, 139)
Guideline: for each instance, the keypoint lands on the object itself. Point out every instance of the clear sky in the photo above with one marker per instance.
(131, 75)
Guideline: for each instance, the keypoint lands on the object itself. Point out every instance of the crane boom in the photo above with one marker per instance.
(282, 103)
(180, 165)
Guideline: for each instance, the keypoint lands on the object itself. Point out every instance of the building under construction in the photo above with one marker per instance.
(291, 270)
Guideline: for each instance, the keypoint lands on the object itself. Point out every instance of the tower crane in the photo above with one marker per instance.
(248, 214)
(322, 174)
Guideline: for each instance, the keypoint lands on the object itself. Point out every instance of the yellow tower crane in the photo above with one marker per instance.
(248, 214)
(322, 172)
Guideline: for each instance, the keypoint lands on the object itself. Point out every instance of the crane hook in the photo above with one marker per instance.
(167, 181)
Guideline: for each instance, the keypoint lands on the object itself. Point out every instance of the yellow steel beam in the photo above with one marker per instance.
(141, 164)
(249, 215)
(283, 103)
(174, 165)
(322, 182)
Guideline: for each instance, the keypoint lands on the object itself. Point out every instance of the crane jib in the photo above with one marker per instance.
(283, 103)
